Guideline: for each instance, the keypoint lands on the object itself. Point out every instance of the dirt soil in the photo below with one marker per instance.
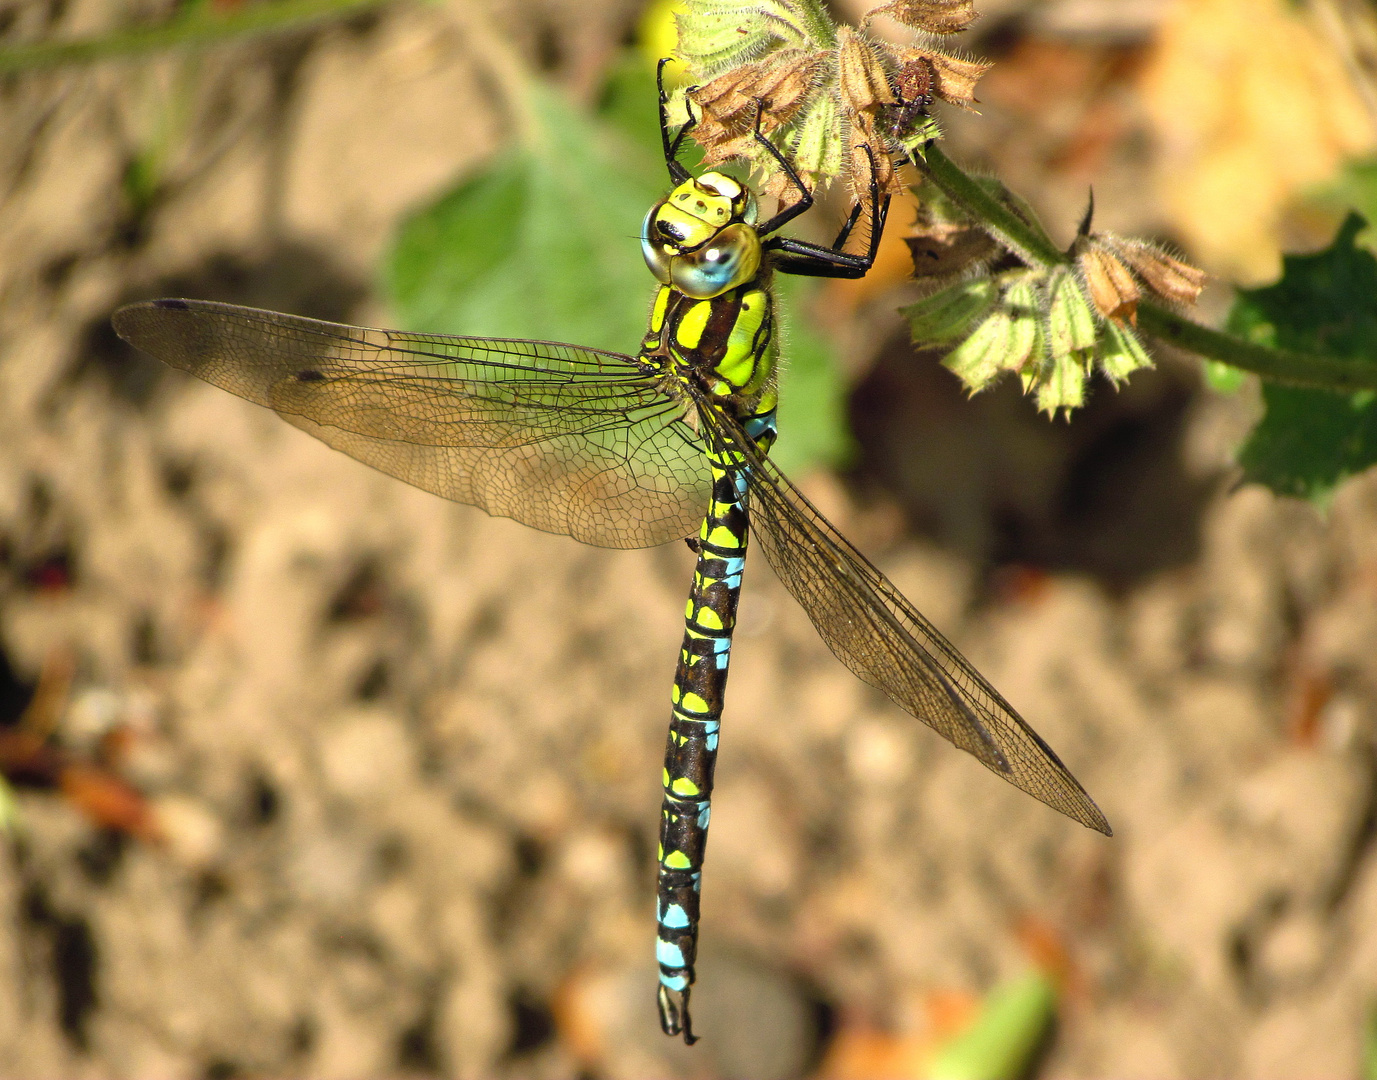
(404, 758)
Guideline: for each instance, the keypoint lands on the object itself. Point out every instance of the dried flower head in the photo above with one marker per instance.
(1116, 270)
(834, 99)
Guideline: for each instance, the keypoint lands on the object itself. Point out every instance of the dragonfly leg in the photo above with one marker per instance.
(700, 685)
(677, 172)
(805, 259)
(805, 197)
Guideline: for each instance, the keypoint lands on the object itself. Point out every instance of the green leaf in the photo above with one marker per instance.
(1356, 189)
(1310, 440)
(1001, 1041)
(543, 243)
(1225, 378)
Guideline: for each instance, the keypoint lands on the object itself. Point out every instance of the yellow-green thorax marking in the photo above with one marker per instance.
(712, 327)
(713, 320)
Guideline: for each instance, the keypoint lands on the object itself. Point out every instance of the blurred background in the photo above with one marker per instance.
(314, 774)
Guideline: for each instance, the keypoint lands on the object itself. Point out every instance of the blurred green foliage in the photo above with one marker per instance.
(543, 242)
(1004, 1038)
(1355, 189)
(1370, 1044)
(1326, 303)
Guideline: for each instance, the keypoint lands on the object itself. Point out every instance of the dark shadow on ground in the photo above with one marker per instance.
(1107, 494)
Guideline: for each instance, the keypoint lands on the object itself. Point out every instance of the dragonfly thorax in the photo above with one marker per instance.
(701, 237)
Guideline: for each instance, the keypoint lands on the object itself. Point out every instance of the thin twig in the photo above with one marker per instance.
(193, 31)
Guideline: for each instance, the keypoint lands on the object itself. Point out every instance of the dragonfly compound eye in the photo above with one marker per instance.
(729, 259)
(653, 248)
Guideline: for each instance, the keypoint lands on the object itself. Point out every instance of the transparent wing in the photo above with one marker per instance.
(565, 439)
(886, 641)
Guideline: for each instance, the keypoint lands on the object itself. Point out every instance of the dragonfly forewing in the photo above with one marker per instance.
(565, 439)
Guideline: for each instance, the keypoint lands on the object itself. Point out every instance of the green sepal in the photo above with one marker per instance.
(923, 132)
(1028, 345)
(1070, 320)
(715, 35)
(950, 314)
(978, 359)
(1121, 353)
(1062, 387)
(816, 142)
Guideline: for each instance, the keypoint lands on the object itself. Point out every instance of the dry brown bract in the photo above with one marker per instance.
(778, 86)
(1113, 266)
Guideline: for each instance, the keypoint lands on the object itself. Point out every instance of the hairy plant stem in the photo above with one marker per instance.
(1310, 370)
(1024, 239)
(198, 29)
(1036, 248)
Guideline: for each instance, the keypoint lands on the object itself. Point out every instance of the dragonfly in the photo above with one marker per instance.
(626, 451)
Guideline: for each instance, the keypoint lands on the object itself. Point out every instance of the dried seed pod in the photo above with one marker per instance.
(831, 97)
(1168, 277)
(933, 16)
(1111, 285)
(776, 87)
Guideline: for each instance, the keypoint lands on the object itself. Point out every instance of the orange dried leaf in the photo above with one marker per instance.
(107, 800)
(1111, 285)
(933, 16)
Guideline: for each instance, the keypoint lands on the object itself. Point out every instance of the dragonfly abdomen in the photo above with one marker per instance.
(700, 685)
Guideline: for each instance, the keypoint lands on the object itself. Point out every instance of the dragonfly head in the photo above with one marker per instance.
(701, 237)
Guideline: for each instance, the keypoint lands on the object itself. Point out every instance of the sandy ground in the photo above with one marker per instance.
(406, 756)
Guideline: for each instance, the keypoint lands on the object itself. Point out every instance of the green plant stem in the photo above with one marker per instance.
(1028, 242)
(1309, 370)
(194, 30)
(1033, 246)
